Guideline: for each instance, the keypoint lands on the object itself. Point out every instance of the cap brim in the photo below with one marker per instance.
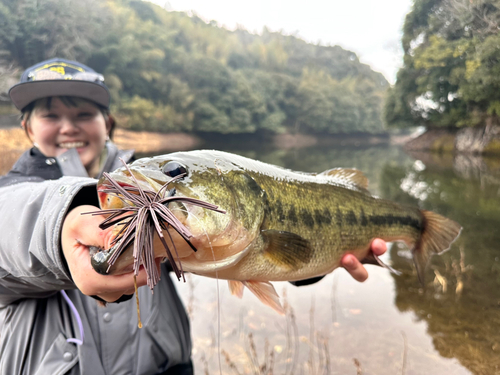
(24, 93)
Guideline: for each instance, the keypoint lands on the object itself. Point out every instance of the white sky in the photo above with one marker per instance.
(372, 29)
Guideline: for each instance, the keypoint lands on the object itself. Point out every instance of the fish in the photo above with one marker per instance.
(272, 223)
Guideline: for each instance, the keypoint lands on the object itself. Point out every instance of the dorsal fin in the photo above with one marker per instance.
(348, 175)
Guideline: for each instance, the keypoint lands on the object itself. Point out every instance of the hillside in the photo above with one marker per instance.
(171, 72)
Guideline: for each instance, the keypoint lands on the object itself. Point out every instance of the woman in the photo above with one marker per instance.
(50, 321)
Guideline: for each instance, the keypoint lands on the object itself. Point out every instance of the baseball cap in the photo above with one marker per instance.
(59, 77)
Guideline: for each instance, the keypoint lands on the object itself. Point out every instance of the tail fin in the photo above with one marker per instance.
(437, 236)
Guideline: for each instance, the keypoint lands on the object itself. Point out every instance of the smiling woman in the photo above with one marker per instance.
(65, 114)
(56, 125)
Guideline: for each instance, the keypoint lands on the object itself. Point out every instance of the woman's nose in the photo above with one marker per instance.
(67, 126)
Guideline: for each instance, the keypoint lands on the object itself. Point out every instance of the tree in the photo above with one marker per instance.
(32, 31)
(168, 71)
(449, 77)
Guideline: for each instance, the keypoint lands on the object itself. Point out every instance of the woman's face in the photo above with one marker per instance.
(59, 127)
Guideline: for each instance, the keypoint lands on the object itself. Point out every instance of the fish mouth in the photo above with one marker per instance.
(109, 198)
(141, 215)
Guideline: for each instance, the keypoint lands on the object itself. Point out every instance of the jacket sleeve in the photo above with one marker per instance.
(31, 215)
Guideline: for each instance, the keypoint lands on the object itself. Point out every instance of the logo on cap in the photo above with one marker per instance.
(60, 70)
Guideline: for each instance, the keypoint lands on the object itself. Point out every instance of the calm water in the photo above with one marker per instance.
(389, 324)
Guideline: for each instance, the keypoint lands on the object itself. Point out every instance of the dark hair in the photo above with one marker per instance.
(68, 101)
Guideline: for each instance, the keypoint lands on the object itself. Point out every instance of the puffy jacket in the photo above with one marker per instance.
(47, 326)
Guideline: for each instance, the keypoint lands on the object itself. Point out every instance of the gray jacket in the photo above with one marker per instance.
(43, 333)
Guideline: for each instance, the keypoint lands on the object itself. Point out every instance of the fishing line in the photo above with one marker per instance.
(139, 323)
(217, 289)
(219, 336)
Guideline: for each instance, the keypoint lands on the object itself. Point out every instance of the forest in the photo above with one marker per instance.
(451, 72)
(171, 71)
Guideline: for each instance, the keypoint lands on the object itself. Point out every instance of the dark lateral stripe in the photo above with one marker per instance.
(395, 220)
(284, 213)
(363, 219)
(306, 218)
(322, 217)
(338, 217)
(325, 217)
(292, 216)
(350, 218)
(279, 211)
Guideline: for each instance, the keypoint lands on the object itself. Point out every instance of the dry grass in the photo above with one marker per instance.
(326, 330)
(14, 139)
(14, 142)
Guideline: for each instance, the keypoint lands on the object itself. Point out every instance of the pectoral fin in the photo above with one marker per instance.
(266, 293)
(286, 249)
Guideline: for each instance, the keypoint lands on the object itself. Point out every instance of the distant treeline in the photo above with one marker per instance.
(168, 71)
(451, 72)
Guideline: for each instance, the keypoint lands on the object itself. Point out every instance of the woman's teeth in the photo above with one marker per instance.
(72, 144)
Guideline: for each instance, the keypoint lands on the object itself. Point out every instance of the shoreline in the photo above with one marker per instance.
(14, 139)
(481, 140)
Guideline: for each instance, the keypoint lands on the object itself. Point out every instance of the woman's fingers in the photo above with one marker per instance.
(354, 266)
(378, 246)
(78, 233)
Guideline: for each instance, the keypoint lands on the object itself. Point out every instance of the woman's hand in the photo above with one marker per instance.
(354, 266)
(79, 232)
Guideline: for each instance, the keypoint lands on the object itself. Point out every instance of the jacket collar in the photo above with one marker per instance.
(71, 165)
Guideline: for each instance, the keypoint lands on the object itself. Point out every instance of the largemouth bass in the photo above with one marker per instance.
(279, 225)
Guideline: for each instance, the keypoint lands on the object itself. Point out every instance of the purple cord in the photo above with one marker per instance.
(78, 319)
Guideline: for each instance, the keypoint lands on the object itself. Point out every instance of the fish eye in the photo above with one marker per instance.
(173, 168)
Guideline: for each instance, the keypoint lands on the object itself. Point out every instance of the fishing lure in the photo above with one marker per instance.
(145, 213)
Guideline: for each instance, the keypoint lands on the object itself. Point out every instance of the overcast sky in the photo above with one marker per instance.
(371, 29)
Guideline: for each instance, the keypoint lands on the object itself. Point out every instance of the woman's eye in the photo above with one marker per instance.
(172, 169)
(84, 114)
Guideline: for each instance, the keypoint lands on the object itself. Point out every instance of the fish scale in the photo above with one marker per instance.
(345, 220)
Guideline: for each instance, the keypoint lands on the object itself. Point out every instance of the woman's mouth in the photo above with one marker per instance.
(69, 145)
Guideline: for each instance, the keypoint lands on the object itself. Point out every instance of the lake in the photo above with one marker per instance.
(389, 324)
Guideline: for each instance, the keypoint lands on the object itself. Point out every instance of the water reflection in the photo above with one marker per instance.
(461, 302)
(388, 324)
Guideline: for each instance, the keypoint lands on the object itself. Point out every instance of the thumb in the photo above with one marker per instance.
(78, 233)
(84, 228)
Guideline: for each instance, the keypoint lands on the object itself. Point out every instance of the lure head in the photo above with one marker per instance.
(208, 176)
